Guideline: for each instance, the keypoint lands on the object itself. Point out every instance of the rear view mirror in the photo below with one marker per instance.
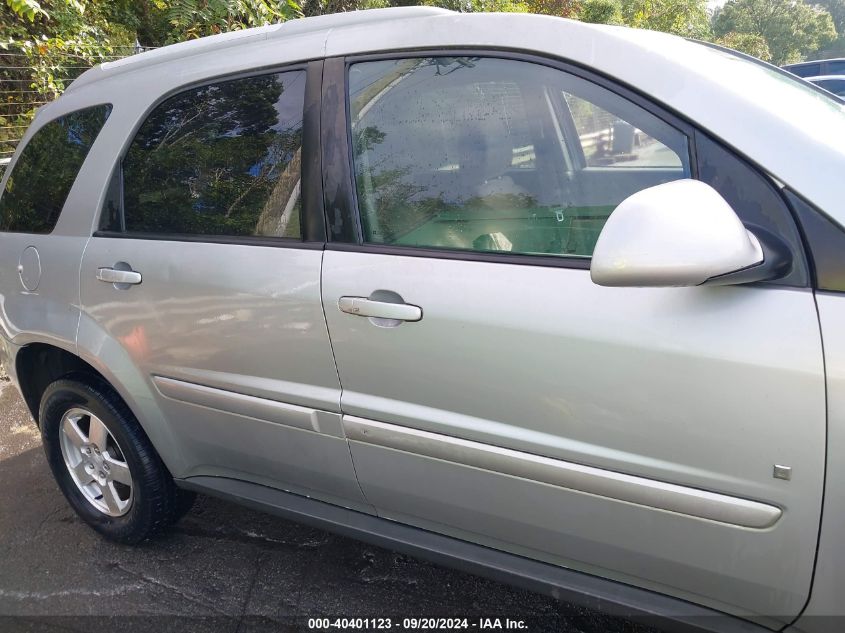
(682, 233)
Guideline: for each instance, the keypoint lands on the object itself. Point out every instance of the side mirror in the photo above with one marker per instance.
(683, 233)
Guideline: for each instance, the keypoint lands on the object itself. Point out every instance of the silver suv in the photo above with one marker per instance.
(547, 300)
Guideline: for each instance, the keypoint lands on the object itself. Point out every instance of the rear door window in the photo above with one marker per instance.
(41, 179)
(219, 160)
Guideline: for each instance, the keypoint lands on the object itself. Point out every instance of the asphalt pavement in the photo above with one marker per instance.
(222, 568)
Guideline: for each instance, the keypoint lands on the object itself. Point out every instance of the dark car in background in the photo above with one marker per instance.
(817, 68)
(831, 83)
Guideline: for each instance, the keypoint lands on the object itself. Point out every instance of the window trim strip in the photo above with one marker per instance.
(312, 218)
(242, 240)
(550, 261)
(340, 206)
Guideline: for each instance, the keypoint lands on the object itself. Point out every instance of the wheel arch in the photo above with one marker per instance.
(37, 364)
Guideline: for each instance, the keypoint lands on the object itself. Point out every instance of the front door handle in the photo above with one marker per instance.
(362, 306)
(117, 276)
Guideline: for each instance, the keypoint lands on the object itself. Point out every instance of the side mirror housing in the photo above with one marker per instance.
(683, 233)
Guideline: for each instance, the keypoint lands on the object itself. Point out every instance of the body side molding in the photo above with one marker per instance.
(293, 415)
(578, 477)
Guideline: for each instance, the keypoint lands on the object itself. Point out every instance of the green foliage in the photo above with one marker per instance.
(146, 19)
(473, 6)
(29, 9)
(834, 49)
(601, 12)
(191, 19)
(687, 18)
(792, 28)
(560, 8)
(749, 43)
(836, 8)
(45, 50)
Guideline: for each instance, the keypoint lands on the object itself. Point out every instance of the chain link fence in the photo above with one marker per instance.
(28, 81)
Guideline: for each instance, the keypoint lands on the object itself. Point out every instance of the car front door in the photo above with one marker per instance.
(205, 275)
(492, 392)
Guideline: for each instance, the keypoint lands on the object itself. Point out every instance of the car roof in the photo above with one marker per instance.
(765, 113)
(182, 51)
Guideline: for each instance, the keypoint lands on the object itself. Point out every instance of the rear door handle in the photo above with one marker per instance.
(361, 306)
(115, 276)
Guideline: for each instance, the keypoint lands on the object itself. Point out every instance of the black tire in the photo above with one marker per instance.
(156, 501)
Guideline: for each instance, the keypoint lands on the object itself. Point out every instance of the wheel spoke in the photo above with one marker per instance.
(110, 498)
(98, 434)
(118, 470)
(72, 431)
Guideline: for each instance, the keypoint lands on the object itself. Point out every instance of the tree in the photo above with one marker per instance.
(29, 9)
(560, 8)
(600, 12)
(688, 18)
(748, 43)
(196, 18)
(792, 28)
(147, 19)
(836, 8)
(45, 45)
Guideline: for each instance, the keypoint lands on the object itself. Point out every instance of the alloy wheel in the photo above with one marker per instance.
(96, 462)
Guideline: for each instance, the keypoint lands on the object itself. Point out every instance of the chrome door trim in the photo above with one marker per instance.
(650, 493)
(305, 418)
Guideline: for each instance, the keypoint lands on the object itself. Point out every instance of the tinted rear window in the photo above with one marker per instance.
(222, 159)
(46, 169)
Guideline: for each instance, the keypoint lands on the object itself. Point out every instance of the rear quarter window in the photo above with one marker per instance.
(40, 181)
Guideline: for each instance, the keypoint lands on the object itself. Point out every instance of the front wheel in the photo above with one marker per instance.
(104, 463)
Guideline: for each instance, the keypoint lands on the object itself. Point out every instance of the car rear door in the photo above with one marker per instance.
(205, 273)
(670, 438)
